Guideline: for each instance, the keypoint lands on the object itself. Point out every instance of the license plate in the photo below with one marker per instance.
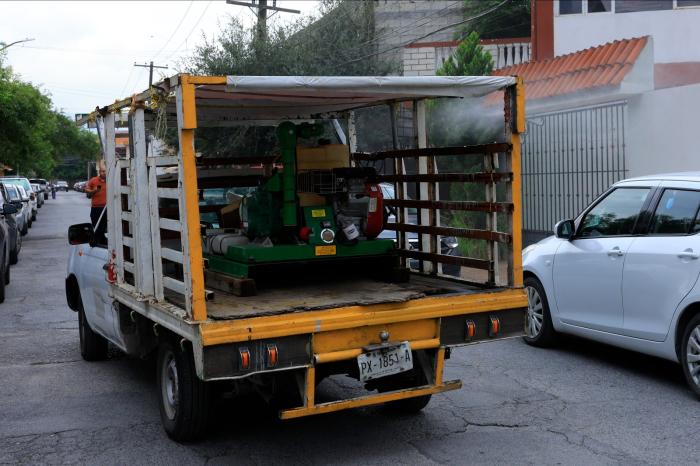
(325, 250)
(385, 361)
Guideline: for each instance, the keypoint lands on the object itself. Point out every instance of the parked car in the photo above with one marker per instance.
(13, 228)
(38, 194)
(448, 244)
(30, 200)
(624, 272)
(27, 187)
(80, 186)
(23, 214)
(61, 186)
(43, 184)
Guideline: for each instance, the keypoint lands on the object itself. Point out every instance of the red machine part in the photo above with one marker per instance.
(375, 211)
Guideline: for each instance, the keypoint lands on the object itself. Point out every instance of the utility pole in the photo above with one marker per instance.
(150, 71)
(262, 7)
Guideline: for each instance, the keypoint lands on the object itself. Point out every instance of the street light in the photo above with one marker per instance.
(13, 43)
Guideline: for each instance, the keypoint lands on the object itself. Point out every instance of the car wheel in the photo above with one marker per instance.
(7, 275)
(93, 347)
(14, 256)
(538, 321)
(184, 398)
(2, 283)
(33, 218)
(690, 354)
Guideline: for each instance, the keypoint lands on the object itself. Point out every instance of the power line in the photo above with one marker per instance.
(191, 31)
(177, 28)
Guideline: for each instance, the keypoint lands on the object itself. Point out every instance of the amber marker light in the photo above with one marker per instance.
(244, 359)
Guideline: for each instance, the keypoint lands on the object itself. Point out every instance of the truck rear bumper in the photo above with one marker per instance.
(369, 400)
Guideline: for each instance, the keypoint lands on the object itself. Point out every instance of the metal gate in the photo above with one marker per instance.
(569, 158)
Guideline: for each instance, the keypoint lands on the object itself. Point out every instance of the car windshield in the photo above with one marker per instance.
(12, 193)
(22, 182)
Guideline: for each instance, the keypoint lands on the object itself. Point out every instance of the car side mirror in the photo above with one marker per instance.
(565, 229)
(17, 204)
(9, 208)
(82, 233)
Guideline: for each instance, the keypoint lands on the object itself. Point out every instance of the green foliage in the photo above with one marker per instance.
(512, 19)
(464, 122)
(469, 59)
(340, 42)
(34, 137)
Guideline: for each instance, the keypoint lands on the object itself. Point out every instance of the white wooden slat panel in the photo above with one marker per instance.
(142, 225)
(169, 224)
(128, 242)
(155, 224)
(129, 266)
(175, 285)
(171, 255)
(169, 193)
(162, 161)
(128, 216)
(125, 190)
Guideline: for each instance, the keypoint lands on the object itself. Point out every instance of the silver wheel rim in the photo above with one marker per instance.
(170, 386)
(693, 355)
(535, 313)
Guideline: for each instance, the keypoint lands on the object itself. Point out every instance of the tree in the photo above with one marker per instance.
(469, 59)
(512, 19)
(464, 122)
(34, 138)
(339, 42)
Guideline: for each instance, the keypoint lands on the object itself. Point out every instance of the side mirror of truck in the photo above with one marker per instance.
(82, 233)
(8, 209)
(565, 229)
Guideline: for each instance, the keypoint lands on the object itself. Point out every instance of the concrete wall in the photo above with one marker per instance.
(675, 32)
(398, 22)
(661, 136)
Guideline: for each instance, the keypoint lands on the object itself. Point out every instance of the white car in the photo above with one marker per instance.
(624, 272)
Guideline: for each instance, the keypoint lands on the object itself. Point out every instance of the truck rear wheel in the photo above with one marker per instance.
(183, 397)
(93, 347)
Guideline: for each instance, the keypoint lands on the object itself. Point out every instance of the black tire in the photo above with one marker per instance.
(4, 271)
(7, 275)
(404, 380)
(33, 218)
(14, 256)
(25, 230)
(691, 369)
(183, 397)
(543, 335)
(93, 347)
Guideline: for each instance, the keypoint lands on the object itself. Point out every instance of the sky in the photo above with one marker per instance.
(83, 52)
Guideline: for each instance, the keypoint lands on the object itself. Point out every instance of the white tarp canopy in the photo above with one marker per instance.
(299, 97)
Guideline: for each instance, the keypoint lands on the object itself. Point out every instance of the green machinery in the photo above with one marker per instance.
(340, 222)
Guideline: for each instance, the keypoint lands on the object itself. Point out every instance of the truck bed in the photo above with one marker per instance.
(326, 294)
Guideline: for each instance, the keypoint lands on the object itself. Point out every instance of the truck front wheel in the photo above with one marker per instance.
(93, 347)
(184, 400)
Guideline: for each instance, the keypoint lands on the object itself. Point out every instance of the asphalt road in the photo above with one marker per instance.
(582, 403)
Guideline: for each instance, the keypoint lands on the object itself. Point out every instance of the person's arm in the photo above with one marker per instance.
(90, 188)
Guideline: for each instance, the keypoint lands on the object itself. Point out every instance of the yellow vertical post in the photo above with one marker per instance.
(439, 365)
(310, 386)
(188, 124)
(516, 184)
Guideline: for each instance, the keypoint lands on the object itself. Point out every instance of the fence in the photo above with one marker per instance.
(569, 158)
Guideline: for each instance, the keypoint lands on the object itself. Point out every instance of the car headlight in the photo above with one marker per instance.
(529, 249)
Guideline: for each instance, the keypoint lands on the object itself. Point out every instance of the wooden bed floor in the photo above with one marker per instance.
(317, 295)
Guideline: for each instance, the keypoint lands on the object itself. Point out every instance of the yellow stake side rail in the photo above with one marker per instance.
(217, 333)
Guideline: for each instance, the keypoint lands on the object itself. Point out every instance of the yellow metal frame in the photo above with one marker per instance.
(313, 322)
(516, 183)
(310, 408)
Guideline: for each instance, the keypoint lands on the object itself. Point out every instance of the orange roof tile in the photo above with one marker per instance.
(595, 67)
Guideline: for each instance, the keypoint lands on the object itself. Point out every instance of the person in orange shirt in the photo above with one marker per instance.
(96, 190)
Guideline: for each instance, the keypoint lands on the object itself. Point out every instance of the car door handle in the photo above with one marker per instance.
(615, 252)
(688, 254)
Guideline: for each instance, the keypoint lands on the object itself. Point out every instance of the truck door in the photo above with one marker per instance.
(95, 289)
